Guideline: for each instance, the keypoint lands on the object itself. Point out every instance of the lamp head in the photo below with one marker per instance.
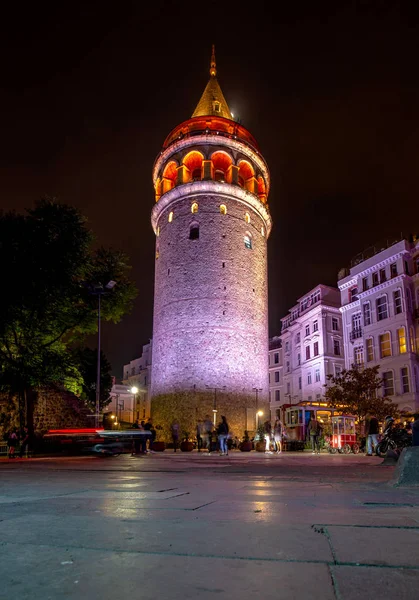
(260, 413)
(134, 390)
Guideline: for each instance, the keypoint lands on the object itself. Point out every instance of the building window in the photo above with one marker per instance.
(353, 294)
(393, 270)
(299, 383)
(409, 300)
(406, 267)
(194, 232)
(315, 326)
(336, 347)
(307, 330)
(401, 336)
(247, 242)
(194, 207)
(317, 375)
(308, 378)
(247, 217)
(318, 397)
(385, 344)
(383, 277)
(298, 359)
(196, 174)
(277, 396)
(287, 346)
(388, 383)
(219, 176)
(217, 107)
(397, 299)
(374, 279)
(158, 231)
(298, 338)
(276, 358)
(276, 376)
(370, 349)
(262, 231)
(288, 367)
(288, 388)
(307, 352)
(364, 284)
(316, 349)
(382, 311)
(335, 324)
(405, 380)
(359, 355)
(338, 370)
(170, 219)
(356, 321)
(223, 209)
(367, 313)
(412, 340)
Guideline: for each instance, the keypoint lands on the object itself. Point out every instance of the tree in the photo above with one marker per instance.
(86, 358)
(49, 267)
(355, 391)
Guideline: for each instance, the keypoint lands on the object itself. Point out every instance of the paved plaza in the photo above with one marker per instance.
(189, 525)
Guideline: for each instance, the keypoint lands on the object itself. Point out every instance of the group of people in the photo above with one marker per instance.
(372, 432)
(274, 435)
(139, 445)
(205, 434)
(14, 440)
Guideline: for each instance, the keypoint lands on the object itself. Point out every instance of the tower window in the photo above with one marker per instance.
(240, 181)
(247, 217)
(194, 207)
(217, 107)
(194, 232)
(262, 230)
(170, 219)
(196, 175)
(158, 231)
(219, 176)
(248, 242)
(223, 209)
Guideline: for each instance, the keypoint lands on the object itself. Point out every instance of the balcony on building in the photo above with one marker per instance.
(355, 334)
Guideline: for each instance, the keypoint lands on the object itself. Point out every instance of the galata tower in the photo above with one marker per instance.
(212, 222)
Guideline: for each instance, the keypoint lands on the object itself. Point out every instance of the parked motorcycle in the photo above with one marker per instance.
(393, 438)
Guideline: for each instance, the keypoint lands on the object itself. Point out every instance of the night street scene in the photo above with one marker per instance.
(209, 318)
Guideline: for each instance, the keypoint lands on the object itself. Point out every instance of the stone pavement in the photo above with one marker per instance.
(293, 526)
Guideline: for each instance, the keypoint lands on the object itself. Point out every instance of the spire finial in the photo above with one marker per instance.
(213, 69)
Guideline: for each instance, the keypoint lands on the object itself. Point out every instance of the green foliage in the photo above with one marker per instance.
(49, 269)
(355, 391)
(260, 433)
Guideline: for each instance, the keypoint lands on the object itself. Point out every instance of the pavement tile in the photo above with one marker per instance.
(99, 575)
(375, 546)
(370, 583)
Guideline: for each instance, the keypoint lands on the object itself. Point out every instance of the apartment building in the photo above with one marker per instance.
(137, 373)
(312, 348)
(380, 301)
(276, 366)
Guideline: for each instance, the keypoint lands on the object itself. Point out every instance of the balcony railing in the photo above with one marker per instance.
(355, 334)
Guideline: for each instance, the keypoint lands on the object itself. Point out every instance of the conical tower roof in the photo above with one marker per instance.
(212, 102)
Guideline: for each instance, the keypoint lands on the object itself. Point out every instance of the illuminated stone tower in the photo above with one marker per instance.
(212, 222)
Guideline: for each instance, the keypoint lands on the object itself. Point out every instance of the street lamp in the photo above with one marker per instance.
(134, 390)
(259, 414)
(99, 291)
(214, 410)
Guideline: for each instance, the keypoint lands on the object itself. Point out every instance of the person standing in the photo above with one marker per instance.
(24, 444)
(278, 428)
(314, 430)
(208, 428)
(175, 434)
(268, 434)
(12, 443)
(222, 432)
(415, 430)
(199, 432)
(372, 429)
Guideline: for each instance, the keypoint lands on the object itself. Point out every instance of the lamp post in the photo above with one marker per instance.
(258, 414)
(134, 390)
(214, 410)
(99, 291)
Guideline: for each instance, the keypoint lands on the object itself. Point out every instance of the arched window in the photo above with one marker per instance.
(247, 217)
(240, 181)
(248, 241)
(196, 175)
(158, 231)
(194, 207)
(219, 176)
(223, 209)
(170, 219)
(262, 230)
(194, 231)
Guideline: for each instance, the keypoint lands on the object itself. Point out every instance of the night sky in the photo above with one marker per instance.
(329, 90)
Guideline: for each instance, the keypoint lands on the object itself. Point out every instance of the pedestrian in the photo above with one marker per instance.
(208, 429)
(278, 429)
(175, 434)
(268, 434)
(148, 427)
(24, 444)
(222, 431)
(415, 430)
(12, 441)
(315, 429)
(199, 432)
(372, 429)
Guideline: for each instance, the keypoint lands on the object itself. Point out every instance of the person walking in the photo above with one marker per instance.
(208, 429)
(372, 429)
(278, 429)
(268, 434)
(315, 430)
(24, 444)
(175, 434)
(222, 431)
(415, 430)
(12, 441)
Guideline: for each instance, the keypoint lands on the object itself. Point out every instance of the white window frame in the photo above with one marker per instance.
(404, 378)
(381, 346)
(366, 313)
(369, 346)
(384, 306)
(392, 382)
(398, 301)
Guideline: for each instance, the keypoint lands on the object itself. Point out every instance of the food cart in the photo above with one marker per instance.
(343, 436)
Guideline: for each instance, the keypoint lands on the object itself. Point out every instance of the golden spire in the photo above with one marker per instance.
(213, 67)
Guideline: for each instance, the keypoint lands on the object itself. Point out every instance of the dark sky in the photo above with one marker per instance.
(329, 89)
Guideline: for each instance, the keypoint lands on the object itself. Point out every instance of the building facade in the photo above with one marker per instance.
(380, 301)
(311, 349)
(212, 222)
(137, 374)
(122, 405)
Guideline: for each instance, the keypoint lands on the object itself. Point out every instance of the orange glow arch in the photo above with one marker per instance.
(193, 163)
(221, 166)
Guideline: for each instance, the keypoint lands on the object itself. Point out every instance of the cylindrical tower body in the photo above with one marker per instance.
(211, 219)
